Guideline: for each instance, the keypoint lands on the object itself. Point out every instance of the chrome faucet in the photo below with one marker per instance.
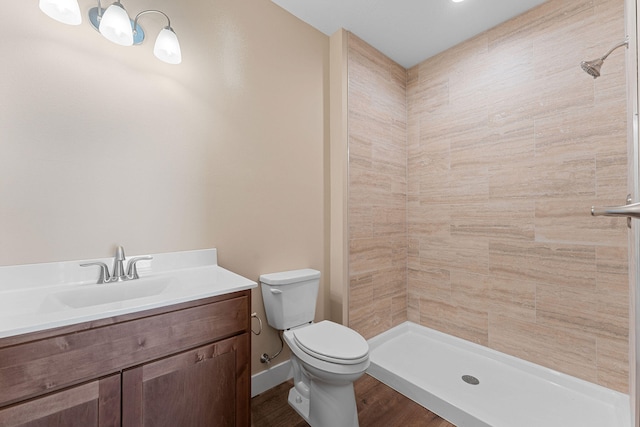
(118, 271)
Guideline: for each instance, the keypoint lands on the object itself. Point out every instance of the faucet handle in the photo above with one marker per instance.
(104, 271)
(132, 270)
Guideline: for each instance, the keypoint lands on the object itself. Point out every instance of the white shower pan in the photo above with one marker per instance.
(427, 366)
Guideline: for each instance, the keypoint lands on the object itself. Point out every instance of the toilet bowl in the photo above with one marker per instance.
(326, 357)
(329, 358)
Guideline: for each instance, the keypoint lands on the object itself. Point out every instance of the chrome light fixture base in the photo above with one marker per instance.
(95, 14)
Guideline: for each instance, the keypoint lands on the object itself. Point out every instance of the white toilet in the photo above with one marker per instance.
(326, 357)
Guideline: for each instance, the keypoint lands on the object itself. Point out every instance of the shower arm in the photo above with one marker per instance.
(593, 67)
(623, 43)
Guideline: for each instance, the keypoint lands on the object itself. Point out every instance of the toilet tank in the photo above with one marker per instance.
(290, 297)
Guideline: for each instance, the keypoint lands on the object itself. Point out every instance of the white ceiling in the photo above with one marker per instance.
(407, 31)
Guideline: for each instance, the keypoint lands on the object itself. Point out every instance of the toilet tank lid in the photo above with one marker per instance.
(288, 277)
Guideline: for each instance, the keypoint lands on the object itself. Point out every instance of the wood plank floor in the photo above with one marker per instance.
(378, 406)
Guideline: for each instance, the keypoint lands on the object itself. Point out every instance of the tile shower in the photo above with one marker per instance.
(471, 176)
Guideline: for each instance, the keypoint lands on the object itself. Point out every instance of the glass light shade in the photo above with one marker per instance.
(65, 11)
(115, 25)
(167, 47)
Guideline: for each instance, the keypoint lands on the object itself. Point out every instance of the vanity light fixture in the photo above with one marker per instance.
(115, 25)
(167, 47)
(65, 11)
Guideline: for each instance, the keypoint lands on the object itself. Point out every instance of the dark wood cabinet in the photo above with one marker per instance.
(183, 365)
(96, 403)
(161, 393)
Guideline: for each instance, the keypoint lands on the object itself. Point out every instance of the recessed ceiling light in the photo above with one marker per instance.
(457, 1)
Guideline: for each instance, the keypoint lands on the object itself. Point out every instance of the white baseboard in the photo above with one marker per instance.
(275, 375)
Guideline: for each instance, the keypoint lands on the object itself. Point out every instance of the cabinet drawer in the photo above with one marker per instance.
(34, 368)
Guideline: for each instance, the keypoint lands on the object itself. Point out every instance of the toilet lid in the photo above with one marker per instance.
(332, 342)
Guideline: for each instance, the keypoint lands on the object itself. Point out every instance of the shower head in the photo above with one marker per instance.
(593, 67)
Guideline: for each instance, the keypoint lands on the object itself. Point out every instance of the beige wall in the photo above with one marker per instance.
(508, 144)
(512, 146)
(103, 145)
(377, 190)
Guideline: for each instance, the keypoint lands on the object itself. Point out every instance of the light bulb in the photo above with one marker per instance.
(167, 47)
(115, 25)
(65, 11)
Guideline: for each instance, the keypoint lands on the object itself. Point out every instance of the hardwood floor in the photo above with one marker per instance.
(378, 406)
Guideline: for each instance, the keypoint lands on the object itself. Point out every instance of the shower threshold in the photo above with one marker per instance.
(474, 386)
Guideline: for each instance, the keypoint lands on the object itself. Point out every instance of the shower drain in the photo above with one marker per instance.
(470, 379)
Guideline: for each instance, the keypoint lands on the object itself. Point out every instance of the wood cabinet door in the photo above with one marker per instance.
(93, 404)
(204, 387)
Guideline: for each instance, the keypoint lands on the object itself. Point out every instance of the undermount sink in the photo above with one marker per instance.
(91, 295)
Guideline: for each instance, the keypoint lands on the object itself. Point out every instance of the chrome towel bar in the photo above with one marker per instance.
(630, 210)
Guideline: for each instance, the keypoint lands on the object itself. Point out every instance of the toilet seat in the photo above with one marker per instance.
(332, 342)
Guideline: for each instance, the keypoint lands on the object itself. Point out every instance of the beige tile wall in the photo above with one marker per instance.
(377, 190)
(509, 143)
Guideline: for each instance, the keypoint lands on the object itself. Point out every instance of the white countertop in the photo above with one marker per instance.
(29, 294)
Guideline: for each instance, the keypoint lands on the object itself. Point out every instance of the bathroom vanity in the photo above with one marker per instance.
(176, 359)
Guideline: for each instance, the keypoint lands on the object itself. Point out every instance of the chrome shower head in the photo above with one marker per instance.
(593, 67)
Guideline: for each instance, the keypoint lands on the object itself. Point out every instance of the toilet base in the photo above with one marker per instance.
(345, 416)
(299, 403)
